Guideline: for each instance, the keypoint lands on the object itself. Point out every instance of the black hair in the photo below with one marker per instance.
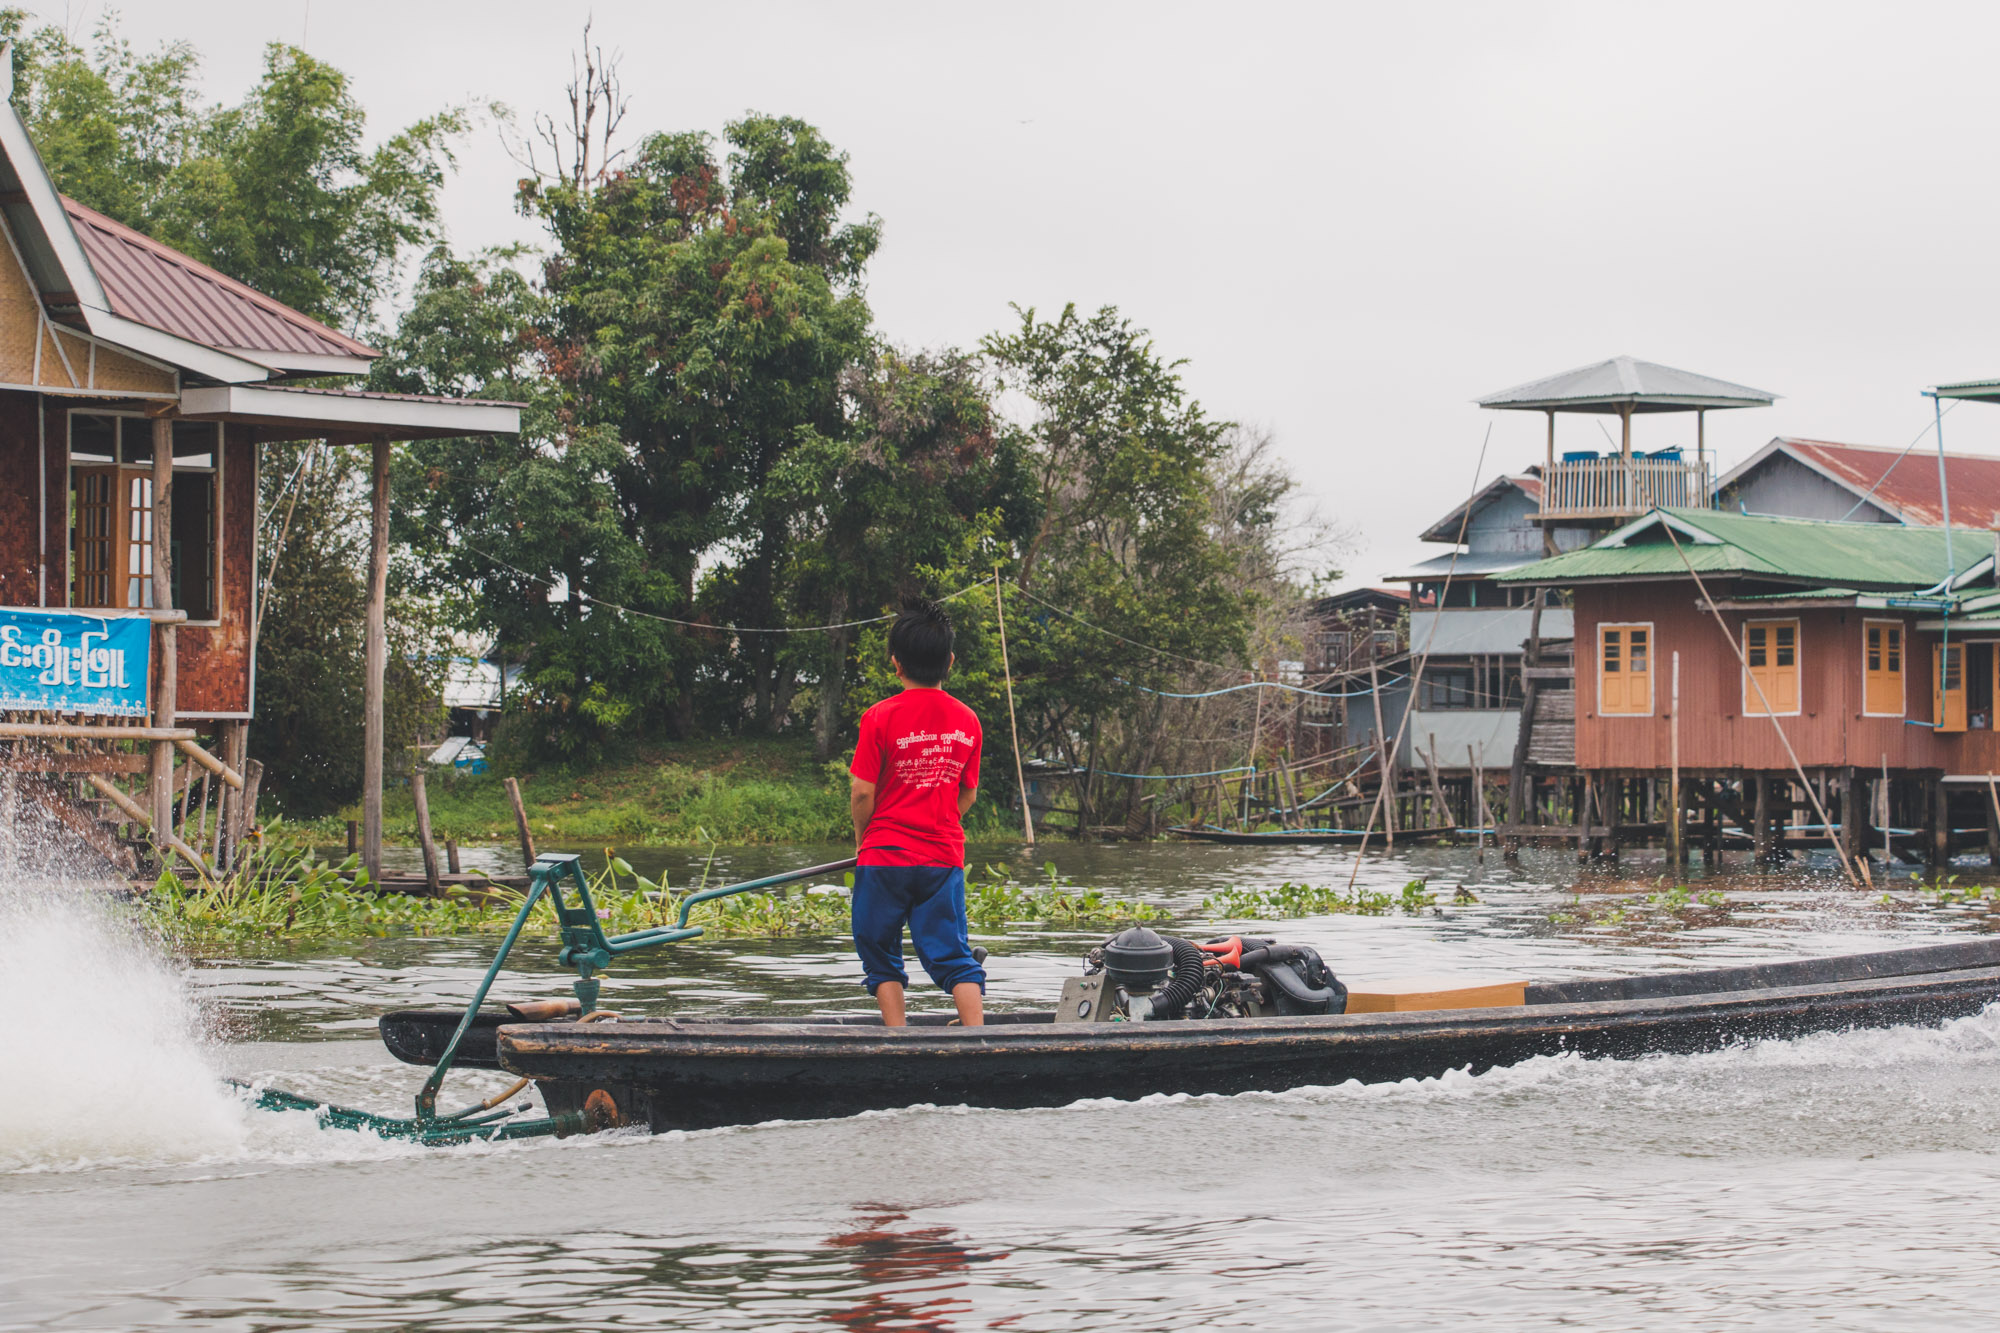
(920, 641)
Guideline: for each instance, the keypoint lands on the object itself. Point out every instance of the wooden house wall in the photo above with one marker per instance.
(214, 668)
(20, 531)
(1716, 735)
(214, 660)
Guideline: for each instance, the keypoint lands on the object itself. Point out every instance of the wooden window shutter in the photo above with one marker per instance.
(1948, 687)
(1882, 669)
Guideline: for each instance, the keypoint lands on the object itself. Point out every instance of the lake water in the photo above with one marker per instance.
(1841, 1180)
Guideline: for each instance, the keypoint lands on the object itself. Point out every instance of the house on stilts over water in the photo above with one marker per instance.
(1781, 679)
(137, 388)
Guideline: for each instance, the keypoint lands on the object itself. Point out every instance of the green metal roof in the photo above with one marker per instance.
(1811, 552)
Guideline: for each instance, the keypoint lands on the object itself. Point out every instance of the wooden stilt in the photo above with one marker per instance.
(421, 799)
(377, 661)
(164, 697)
(1760, 833)
(1992, 808)
(1940, 825)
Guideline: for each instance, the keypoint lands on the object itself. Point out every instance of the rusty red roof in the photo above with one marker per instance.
(157, 285)
(1906, 482)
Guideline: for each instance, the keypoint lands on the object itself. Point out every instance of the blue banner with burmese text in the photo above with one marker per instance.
(67, 662)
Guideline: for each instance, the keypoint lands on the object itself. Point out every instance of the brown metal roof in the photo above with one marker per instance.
(156, 285)
(391, 397)
(1910, 487)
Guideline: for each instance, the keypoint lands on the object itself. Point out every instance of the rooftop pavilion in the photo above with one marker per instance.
(1599, 487)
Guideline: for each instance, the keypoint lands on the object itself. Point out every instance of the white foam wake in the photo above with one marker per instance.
(100, 1043)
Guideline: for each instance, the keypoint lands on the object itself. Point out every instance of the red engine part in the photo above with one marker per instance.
(1228, 952)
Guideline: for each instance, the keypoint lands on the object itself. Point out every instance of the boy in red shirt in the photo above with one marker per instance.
(915, 773)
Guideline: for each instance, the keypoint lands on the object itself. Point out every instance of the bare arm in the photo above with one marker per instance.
(861, 806)
(966, 796)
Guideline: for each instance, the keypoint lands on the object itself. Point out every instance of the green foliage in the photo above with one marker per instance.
(1677, 906)
(1297, 900)
(997, 901)
(277, 190)
(285, 891)
(311, 647)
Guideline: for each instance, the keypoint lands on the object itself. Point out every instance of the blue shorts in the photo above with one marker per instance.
(931, 899)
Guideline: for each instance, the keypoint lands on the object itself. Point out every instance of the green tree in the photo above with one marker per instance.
(279, 190)
(699, 317)
(920, 490)
(1124, 463)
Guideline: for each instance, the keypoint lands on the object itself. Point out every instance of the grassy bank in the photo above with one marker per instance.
(741, 791)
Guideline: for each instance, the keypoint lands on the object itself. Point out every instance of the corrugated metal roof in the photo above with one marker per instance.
(158, 286)
(1622, 382)
(1793, 550)
(1470, 564)
(1446, 529)
(1904, 482)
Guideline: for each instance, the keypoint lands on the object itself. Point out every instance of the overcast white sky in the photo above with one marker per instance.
(1350, 219)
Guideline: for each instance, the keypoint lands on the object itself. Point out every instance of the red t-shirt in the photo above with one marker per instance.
(920, 748)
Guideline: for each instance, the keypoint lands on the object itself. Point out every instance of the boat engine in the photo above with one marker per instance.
(1139, 976)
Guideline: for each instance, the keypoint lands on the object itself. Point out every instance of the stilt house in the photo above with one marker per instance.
(136, 389)
(1726, 662)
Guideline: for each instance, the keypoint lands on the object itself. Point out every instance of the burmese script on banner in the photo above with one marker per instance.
(74, 662)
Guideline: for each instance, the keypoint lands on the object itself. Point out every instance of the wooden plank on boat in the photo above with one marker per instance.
(1410, 994)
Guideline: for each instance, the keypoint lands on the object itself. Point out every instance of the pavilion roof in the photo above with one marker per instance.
(1626, 383)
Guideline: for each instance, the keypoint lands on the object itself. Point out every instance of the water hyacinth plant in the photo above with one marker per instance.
(1296, 900)
(285, 890)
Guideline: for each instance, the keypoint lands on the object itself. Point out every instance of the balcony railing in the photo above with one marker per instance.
(1617, 487)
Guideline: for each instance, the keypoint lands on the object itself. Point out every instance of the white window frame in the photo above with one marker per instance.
(217, 469)
(1798, 663)
(1652, 656)
(1902, 677)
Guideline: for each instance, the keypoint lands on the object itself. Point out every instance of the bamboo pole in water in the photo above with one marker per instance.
(421, 798)
(521, 822)
(1013, 728)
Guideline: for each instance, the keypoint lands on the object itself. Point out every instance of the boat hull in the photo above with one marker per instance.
(691, 1074)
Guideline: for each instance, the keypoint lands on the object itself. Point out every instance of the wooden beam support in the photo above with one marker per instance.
(138, 814)
(210, 762)
(78, 731)
(166, 688)
(377, 639)
(82, 761)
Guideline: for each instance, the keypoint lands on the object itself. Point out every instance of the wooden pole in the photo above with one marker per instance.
(1479, 814)
(1676, 837)
(451, 856)
(1518, 789)
(353, 836)
(1940, 825)
(1993, 821)
(377, 661)
(422, 801)
(1013, 729)
(1761, 837)
(165, 695)
(1888, 851)
(1583, 801)
(521, 822)
(1437, 784)
(253, 779)
(1382, 759)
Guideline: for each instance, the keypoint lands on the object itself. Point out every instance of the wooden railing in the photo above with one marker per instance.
(1617, 487)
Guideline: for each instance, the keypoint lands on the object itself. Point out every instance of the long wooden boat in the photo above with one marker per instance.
(1313, 837)
(691, 1073)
